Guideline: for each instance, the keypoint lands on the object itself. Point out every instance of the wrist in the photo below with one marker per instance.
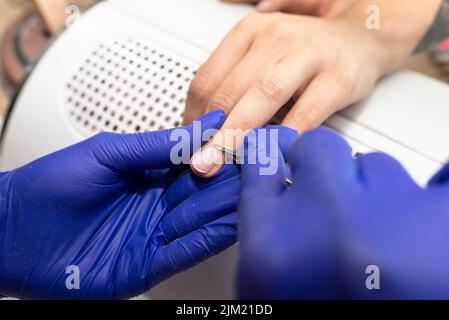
(401, 26)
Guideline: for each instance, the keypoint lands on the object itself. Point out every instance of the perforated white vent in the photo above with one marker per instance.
(128, 86)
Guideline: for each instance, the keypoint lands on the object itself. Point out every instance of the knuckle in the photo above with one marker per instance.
(306, 119)
(201, 88)
(251, 18)
(245, 24)
(341, 79)
(223, 99)
(280, 28)
(316, 46)
(270, 88)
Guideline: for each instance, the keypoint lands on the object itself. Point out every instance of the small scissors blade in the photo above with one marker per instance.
(230, 153)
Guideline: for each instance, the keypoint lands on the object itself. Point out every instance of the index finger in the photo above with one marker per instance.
(268, 95)
(216, 68)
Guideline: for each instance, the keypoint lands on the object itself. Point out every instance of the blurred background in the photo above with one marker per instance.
(25, 28)
(27, 25)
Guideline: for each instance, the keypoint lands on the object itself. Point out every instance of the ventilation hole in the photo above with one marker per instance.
(122, 70)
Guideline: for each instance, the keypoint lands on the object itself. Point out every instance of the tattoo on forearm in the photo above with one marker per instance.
(439, 29)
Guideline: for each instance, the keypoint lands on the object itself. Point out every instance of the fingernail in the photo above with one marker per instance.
(205, 160)
(264, 6)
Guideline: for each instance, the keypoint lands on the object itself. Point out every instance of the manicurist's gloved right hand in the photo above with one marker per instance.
(112, 216)
(346, 228)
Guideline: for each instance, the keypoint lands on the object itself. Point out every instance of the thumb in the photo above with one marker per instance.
(152, 150)
(270, 5)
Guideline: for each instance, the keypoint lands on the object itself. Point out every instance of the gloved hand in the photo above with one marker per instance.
(346, 228)
(111, 208)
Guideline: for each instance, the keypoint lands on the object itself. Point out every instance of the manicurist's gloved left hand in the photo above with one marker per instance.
(115, 209)
(347, 228)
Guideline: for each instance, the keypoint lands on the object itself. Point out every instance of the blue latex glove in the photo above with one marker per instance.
(110, 207)
(318, 239)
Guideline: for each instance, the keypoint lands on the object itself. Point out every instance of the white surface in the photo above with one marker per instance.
(204, 23)
(410, 109)
(405, 116)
